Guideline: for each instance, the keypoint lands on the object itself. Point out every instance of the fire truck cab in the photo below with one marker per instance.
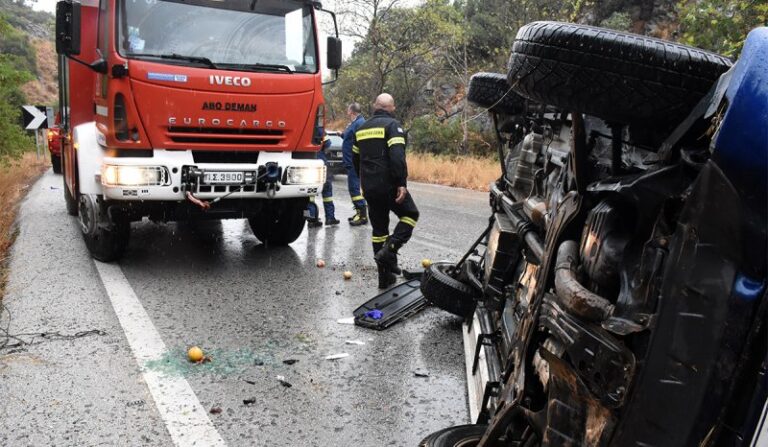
(191, 109)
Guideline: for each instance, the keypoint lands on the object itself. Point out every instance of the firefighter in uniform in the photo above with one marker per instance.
(379, 159)
(312, 213)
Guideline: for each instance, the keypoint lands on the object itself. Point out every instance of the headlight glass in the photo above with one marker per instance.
(114, 175)
(305, 175)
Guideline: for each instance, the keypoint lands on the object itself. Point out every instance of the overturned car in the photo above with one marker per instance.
(618, 295)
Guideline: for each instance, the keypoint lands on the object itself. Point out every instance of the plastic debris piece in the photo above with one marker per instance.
(375, 314)
(283, 382)
(258, 362)
(249, 382)
(350, 320)
(355, 342)
(337, 356)
(217, 410)
(290, 361)
(249, 401)
(421, 372)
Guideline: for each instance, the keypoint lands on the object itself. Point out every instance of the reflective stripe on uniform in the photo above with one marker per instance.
(328, 199)
(355, 149)
(379, 239)
(408, 221)
(356, 198)
(396, 140)
(367, 134)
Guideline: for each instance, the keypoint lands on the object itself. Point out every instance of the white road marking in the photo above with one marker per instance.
(185, 418)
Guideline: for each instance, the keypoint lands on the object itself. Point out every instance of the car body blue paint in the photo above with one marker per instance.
(741, 144)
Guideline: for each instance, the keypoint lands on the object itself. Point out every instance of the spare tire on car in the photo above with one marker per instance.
(619, 77)
(491, 90)
(444, 291)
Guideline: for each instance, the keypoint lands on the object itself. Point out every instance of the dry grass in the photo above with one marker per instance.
(462, 172)
(14, 182)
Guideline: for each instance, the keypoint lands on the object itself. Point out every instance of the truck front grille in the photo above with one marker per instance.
(232, 137)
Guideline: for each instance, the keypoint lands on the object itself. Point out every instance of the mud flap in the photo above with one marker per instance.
(393, 306)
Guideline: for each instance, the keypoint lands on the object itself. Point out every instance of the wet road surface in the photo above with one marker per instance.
(251, 308)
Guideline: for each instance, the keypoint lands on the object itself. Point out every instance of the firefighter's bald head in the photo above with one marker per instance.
(385, 102)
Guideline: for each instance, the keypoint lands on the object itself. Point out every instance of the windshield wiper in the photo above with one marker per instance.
(259, 67)
(179, 57)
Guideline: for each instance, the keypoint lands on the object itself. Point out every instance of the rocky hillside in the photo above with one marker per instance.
(32, 43)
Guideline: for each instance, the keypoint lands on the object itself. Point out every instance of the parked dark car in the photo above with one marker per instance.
(335, 161)
(618, 295)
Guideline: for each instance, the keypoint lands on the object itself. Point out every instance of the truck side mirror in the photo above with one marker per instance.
(68, 28)
(334, 53)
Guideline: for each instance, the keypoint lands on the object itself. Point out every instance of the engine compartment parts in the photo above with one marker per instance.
(392, 306)
(575, 297)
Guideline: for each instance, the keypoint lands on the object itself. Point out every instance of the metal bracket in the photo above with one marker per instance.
(491, 390)
(483, 340)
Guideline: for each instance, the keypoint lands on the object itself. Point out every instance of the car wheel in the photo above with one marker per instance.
(446, 292)
(491, 90)
(280, 222)
(458, 436)
(621, 77)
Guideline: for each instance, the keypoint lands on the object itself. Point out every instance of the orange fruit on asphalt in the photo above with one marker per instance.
(195, 354)
(426, 263)
(347, 275)
(320, 263)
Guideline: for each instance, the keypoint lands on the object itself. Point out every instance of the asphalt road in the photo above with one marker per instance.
(214, 285)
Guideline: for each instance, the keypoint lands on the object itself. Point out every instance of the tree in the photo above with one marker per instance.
(720, 25)
(14, 140)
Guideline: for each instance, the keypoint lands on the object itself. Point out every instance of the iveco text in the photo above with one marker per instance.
(230, 80)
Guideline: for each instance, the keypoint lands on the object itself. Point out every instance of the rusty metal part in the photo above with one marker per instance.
(575, 297)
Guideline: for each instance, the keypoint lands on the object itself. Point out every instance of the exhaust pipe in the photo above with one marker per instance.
(576, 298)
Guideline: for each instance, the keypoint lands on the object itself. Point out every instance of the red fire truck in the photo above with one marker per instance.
(191, 109)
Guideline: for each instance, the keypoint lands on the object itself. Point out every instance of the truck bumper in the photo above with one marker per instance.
(168, 175)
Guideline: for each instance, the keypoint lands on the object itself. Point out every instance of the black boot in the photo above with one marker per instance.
(386, 278)
(387, 257)
(360, 217)
(314, 222)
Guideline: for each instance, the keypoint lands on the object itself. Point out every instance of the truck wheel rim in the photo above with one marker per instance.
(87, 214)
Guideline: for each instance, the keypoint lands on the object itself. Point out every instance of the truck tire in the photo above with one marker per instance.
(280, 223)
(619, 77)
(56, 163)
(105, 238)
(492, 91)
(447, 293)
(458, 436)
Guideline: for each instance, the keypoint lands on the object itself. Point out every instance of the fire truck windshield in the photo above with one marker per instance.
(250, 35)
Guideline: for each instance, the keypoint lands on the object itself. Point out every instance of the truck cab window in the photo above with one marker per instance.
(270, 35)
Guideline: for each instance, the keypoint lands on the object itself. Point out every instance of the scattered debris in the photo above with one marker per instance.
(320, 263)
(283, 382)
(355, 342)
(337, 356)
(55, 188)
(217, 410)
(375, 314)
(258, 362)
(290, 361)
(195, 354)
(421, 372)
(347, 275)
(249, 382)
(338, 292)
(135, 403)
(250, 401)
(350, 320)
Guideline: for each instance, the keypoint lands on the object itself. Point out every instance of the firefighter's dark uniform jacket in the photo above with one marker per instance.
(379, 154)
(379, 159)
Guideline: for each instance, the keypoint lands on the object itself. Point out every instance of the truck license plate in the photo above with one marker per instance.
(223, 177)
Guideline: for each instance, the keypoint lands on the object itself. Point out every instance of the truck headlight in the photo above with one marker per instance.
(116, 175)
(305, 175)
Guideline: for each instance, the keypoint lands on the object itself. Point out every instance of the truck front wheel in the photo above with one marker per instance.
(105, 236)
(280, 222)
